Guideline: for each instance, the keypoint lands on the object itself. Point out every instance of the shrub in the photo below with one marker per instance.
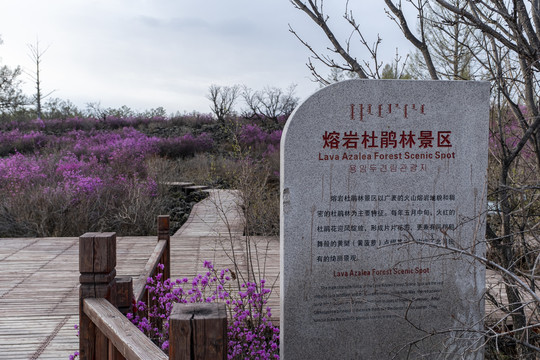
(55, 170)
(259, 141)
(195, 120)
(187, 145)
(250, 331)
(18, 172)
(17, 142)
(97, 181)
(512, 133)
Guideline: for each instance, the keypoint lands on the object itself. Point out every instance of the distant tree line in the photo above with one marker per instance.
(269, 103)
(15, 105)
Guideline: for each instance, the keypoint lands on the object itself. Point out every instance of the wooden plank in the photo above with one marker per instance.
(179, 184)
(39, 287)
(163, 227)
(125, 336)
(101, 345)
(86, 337)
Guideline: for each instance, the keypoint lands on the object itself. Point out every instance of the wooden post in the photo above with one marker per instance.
(163, 234)
(198, 331)
(97, 263)
(124, 294)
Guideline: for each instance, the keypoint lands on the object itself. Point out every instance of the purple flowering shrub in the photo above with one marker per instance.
(509, 137)
(250, 332)
(260, 141)
(17, 172)
(59, 126)
(116, 122)
(88, 163)
(80, 181)
(147, 120)
(187, 145)
(110, 146)
(252, 134)
(17, 142)
(109, 154)
(94, 178)
(503, 140)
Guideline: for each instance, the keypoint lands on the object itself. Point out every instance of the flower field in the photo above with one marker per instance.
(67, 177)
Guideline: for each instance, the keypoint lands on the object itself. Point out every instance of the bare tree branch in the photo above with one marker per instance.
(316, 14)
(419, 44)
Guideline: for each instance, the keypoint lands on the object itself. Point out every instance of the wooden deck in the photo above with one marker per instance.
(39, 277)
(39, 281)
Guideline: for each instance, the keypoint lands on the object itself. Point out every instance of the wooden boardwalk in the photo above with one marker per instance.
(214, 232)
(39, 277)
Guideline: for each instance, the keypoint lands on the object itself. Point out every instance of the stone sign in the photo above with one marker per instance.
(383, 197)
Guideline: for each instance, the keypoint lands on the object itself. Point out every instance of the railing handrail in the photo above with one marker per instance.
(105, 333)
(139, 285)
(132, 343)
(199, 331)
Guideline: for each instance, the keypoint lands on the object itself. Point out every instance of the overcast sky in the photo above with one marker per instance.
(150, 53)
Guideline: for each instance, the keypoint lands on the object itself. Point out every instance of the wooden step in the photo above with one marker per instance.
(177, 186)
(193, 188)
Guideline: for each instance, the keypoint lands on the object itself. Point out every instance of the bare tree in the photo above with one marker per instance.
(36, 55)
(397, 69)
(367, 68)
(453, 45)
(94, 109)
(223, 99)
(270, 103)
(316, 12)
(506, 51)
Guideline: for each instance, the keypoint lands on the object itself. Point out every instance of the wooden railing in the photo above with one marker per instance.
(160, 255)
(196, 331)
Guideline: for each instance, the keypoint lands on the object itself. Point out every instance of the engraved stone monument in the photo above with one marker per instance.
(383, 196)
